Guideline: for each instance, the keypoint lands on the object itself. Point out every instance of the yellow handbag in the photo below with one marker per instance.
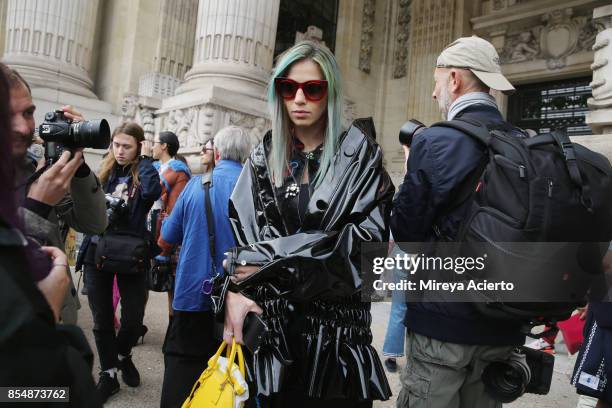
(222, 384)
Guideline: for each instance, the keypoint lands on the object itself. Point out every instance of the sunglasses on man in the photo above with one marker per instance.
(313, 90)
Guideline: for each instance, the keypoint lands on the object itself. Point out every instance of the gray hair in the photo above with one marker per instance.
(233, 143)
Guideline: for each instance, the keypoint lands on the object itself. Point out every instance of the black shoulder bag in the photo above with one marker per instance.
(122, 252)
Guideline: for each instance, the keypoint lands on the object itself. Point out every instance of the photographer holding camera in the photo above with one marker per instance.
(132, 186)
(66, 195)
(449, 344)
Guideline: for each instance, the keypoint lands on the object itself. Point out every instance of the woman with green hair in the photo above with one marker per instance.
(307, 198)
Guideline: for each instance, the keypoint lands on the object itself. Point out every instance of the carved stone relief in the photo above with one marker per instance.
(180, 122)
(258, 130)
(400, 60)
(561, 35)
(367, 35)
(602, 68)
(147, 121)
(196, 124)
(521, 47)
(206, 119)
(313, 33)
(129, 107)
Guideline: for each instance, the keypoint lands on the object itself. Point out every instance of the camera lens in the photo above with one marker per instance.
(409, 130)
(507, 380)
(91, 133)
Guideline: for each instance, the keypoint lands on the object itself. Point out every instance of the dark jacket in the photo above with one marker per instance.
(82, 209)
(34, 352)
(133, 218)
(310, 279)
(141, 199)
(440, 159)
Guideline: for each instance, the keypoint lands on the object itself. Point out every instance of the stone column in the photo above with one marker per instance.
(50, 43)
(432, 28)
(600, 117)
(3, 8)
(234, 45)
(232, 61)
(174, 50)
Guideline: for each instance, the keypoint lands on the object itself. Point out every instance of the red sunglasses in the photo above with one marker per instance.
(313, 90)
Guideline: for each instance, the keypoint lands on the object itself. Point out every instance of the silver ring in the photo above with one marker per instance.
(228, 333)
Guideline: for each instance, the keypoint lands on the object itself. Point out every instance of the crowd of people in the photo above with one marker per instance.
(273, 230)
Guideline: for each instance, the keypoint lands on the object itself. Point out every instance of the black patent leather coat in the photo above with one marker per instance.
(309, 281)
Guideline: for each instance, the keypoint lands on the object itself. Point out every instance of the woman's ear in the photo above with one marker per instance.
(217, 154)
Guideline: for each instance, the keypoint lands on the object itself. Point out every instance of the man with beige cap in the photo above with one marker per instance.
(449, 344)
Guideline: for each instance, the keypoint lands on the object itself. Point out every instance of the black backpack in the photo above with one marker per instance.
(543, 208)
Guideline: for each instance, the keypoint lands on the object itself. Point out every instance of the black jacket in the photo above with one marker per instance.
(310, 279)
(33, 351)
(440, 159)
(133, 218)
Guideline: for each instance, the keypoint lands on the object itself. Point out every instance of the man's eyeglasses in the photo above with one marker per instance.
(207, 149)
(313, 90)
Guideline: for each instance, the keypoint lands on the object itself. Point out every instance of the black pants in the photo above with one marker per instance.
(188, 345)
(295, 399)
(133, 290)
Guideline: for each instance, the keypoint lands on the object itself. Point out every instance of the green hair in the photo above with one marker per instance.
(279, 154)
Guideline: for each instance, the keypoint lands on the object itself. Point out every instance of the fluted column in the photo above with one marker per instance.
(600, 116)
(50, 43)
(432, 28)
(234, 45)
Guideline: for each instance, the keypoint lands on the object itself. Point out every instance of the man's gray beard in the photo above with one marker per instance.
(444, 104)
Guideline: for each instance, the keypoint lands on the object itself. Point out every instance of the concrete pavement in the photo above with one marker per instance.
(149, 361)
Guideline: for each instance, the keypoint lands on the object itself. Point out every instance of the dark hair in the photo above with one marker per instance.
(171, 140)
(13, 77)
(8, 211)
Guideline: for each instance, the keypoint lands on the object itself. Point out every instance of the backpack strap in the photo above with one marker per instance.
(464, 191)
(210, 221)
(475, 130)
(563, 141)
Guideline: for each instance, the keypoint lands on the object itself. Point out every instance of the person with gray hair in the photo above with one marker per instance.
(189, 341)
(232, 143)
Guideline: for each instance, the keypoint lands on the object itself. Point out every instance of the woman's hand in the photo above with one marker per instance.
(55, 285)
(236, 308)
(241, 272)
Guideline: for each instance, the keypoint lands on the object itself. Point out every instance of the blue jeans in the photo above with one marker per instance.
(396, 331)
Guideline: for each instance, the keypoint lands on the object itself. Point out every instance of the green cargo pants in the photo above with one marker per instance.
(446, 375)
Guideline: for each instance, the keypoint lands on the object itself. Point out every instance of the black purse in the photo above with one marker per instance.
(122, 253)
(160, 277)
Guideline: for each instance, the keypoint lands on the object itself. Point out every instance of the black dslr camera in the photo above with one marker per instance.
(409, 130)
(525, 371)
(114, 208)
(61, 134)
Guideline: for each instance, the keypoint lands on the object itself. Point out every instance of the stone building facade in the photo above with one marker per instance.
(194, 66)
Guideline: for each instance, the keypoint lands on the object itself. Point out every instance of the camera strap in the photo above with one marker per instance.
(32, 178)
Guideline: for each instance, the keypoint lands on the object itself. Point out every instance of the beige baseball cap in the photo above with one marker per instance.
(479, 56)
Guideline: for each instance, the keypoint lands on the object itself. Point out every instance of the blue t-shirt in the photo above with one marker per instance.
(187, 224)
